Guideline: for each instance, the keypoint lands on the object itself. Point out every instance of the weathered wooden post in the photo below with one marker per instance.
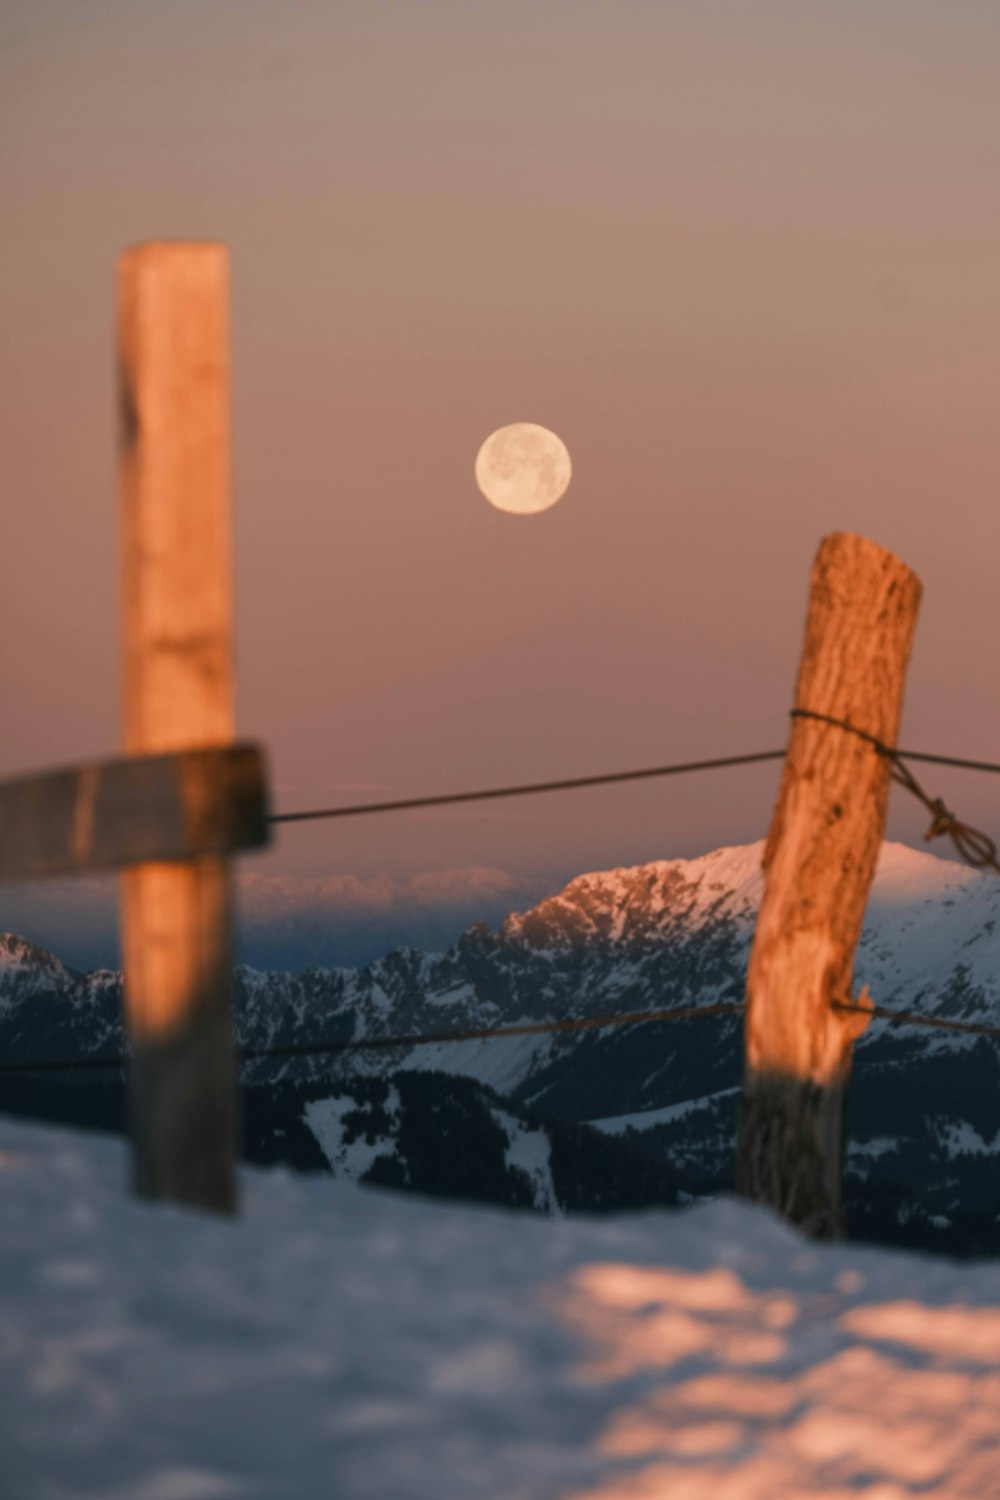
(175, 816)
(819, 862)
(173, 342)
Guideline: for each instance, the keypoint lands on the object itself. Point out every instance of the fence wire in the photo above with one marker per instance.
(416, 1039)
(410, 1040)
(527, 790)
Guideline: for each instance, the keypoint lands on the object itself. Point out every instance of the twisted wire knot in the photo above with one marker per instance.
(944, 821)
(975, 847)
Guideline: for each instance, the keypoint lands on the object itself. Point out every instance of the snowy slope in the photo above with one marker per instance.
(446, 1136)
(341, 1341)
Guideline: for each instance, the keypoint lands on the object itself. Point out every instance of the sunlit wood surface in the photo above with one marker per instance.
(819, 861)
(178, 694)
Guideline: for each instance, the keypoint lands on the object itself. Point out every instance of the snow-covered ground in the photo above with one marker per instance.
(345, 1342)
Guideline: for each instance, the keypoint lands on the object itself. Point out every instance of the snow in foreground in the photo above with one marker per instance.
(341, 1341)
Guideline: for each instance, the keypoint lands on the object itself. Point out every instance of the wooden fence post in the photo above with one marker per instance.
(818, 864)
(173, 345)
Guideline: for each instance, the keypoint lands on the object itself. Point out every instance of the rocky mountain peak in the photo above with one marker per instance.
(23, 963)
(642, 903)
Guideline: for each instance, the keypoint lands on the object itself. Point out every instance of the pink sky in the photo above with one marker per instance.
(743, 258)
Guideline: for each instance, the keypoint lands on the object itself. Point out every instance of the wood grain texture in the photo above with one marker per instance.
(173, 321)
(178, 695)
(819, 862)
(120, 812)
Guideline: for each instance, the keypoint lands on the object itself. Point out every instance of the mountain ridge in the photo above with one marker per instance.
(668, 935)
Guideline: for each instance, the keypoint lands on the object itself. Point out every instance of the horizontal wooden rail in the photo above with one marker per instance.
(134, 809)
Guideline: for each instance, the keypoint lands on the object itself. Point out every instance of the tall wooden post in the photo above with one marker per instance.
(818, 863)
(178, 694)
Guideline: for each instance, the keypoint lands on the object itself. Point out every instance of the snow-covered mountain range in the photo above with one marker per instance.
(924, 1111)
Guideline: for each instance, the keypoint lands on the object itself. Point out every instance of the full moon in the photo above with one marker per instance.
(523, 468)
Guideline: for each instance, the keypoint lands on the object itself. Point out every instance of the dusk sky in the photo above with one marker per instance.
(744, 258)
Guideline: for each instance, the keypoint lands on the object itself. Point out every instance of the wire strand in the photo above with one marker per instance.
(913, 1018)
(491, 793)
(414, 1039)
(405, 804)
(435, 1038)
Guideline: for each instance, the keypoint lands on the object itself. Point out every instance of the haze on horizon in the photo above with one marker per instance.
(740, 257)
